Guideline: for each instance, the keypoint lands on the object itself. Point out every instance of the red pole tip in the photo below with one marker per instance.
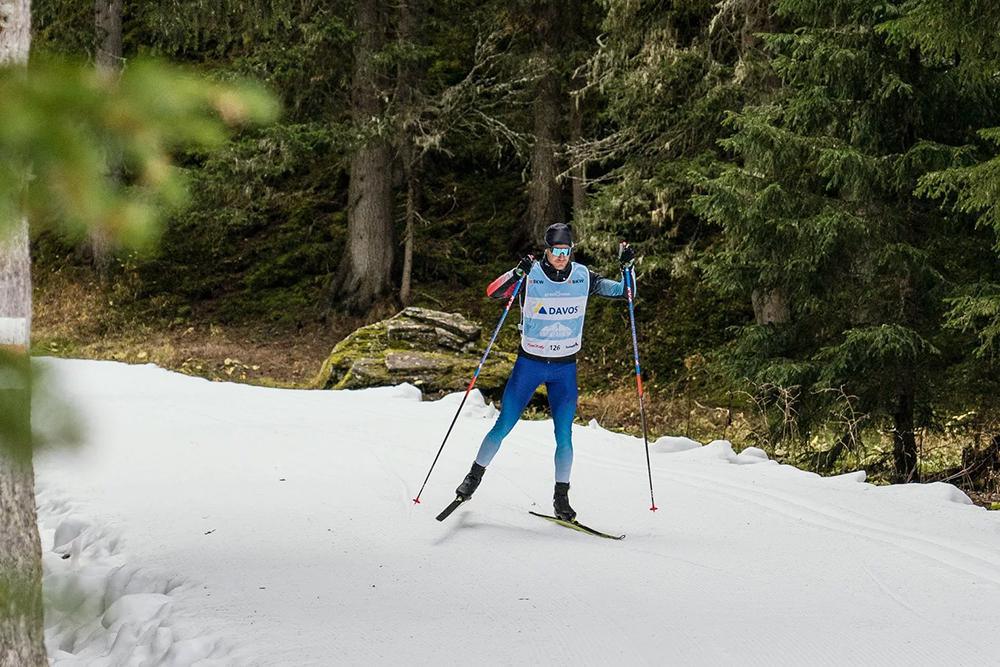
(416, 500)
(653, 508)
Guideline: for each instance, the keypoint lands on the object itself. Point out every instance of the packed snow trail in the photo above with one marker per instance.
(285, 523)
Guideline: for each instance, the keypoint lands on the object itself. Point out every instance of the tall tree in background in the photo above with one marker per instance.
(961, 38)
(365, 270)
(407, 71)
(582, 21)
(578, 170)
(108, 22)
(820, 205)
(21, 632)
(659, 85)
(667, 77)
(108, 59)
(460, 92)
(545, 206)
(748, 19)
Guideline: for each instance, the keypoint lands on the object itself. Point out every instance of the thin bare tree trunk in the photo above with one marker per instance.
(579, 172)
(108, 58)
(905, 455)
(904, 440)
(405, 286)
(22, 638)
(406, 81)
(544, 191)
(366, 266)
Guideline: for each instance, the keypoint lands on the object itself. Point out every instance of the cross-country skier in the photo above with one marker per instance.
(553, 305)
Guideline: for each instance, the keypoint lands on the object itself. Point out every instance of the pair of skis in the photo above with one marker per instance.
(575, 525)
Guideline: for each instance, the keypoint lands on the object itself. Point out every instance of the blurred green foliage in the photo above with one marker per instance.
(62, 123)
(49, 420)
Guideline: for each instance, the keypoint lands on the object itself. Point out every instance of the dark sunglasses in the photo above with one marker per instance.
(560, 252)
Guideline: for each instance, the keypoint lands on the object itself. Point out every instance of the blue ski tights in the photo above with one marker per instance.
(560, 382)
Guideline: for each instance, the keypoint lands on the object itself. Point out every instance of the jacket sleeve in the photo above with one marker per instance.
(503, 286)
(609, 289)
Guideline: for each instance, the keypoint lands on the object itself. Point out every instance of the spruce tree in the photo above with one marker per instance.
(820, 207)
(662, 80)
(960, 37)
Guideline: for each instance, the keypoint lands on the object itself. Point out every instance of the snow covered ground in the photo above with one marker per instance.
(207, 523)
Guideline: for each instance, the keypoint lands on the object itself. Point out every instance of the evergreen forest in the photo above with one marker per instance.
(812, 188)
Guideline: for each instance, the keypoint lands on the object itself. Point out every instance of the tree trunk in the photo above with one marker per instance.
(904, 440)
(108, 21)
(21, 621)
(15, 31)
(108, 57)
(544, 191)
(21, 616)
(405, 296)
(579, 172)
(771, 306)
(406, 82)
(365, 268)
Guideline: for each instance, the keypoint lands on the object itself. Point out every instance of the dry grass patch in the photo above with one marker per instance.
(75, 317)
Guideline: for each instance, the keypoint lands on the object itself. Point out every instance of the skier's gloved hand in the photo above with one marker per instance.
(524, 266)
(626, 256)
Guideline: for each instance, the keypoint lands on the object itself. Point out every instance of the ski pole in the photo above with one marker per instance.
(475, 376)
(629, 276)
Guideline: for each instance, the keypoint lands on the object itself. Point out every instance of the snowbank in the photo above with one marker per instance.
(102, 610)
(215, 523)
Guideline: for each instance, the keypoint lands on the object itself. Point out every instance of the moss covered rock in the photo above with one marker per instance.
(433, 350)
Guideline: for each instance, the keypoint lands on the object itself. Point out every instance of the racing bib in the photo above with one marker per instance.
(552, 313)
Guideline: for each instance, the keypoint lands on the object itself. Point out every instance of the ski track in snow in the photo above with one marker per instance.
(276, 527)
(976, 562)
(892, 594)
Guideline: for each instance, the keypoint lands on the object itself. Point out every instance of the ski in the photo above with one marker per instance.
(576, 525)
(446, 512)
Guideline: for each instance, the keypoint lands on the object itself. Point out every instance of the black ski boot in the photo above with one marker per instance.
(471, 482)
(560, 502)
